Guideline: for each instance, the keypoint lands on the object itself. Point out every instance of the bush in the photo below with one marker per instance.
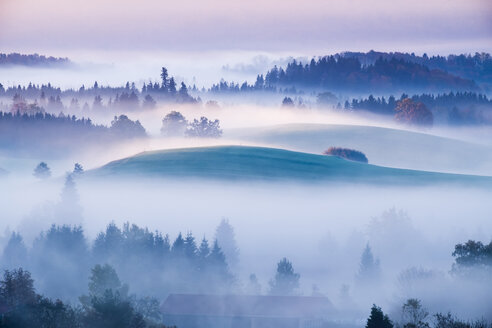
(415, 113)
(350, 154)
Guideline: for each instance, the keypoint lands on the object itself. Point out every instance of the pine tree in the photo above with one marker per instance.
(378, 319)
(190, 249)
(15, 252)
(369, 270)
(217, 265)
(286, 281)
(172, 86)
(178, 248)
(227, 241)
(204, 249)
(164, 79)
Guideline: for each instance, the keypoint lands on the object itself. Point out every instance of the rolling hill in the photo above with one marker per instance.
(383, 146)
(257, 163)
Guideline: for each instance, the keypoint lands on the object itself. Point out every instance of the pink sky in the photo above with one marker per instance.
(253, 25)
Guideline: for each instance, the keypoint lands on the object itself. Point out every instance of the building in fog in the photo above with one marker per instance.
(245, 311)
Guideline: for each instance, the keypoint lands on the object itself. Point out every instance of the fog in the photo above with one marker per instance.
(142, 195)
(116, 67)
(316, 226)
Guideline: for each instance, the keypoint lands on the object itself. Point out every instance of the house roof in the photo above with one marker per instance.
(247, 305)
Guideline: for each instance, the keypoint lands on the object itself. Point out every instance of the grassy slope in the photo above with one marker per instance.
(238, 162)
(383, 146)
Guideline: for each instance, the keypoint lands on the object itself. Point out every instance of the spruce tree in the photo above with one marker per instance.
(378, 319)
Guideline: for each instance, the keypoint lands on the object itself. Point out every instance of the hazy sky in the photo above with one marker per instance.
(308, 27)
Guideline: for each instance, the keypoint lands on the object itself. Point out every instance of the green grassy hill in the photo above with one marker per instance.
(383, 146)
(256, 163)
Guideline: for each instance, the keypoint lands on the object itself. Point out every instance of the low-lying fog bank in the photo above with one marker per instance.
(323, 230)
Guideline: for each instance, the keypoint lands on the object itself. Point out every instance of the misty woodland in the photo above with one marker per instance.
(246, 164)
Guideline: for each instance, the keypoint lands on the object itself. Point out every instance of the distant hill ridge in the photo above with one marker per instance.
(477, 67)
(32, 60)
(375, 72)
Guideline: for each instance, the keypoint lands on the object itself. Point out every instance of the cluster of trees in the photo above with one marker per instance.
(350, 154)
(42, 131)
(97, 97)
(477, 67)
(345, 73)
(372, 71)
(232, 87)
(107, 304)
(31, 60)
(453, 107)
(414, 315)
(175, 124)
(61, 257)
(473, 258)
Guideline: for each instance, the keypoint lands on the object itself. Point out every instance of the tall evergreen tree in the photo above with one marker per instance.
(172, 86)
(286, 281)
(15, 253)
(378, 319)
(164, 79)
(190, 249)
(226, 238)
(369, 269)
(178, 248)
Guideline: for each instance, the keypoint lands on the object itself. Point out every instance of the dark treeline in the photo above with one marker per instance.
(96, 97)
(372, 71)
(84, 285)
(348, 74)
(453, 107)
(106, 304)
(415, 315)
(61, 258)
(42, 132)
(477, 67)
(31, 60)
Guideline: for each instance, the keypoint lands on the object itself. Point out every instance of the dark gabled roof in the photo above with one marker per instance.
(247, 305)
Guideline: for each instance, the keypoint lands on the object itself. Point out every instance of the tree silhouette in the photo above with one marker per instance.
(123, 126)
(104, 278)
(42, 171)
(414, 315)
(204, 128)
(174, 124)
(227, 241)
(378, 319)
(78, 169)
(286, 281)
(149, 102)
(287, 102)
(369, 270)
(415, 113)
(15, 252)
(164, 79)
(172, 86)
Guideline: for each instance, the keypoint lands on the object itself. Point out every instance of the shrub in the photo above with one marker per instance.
(415, 113)
(350, 154)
